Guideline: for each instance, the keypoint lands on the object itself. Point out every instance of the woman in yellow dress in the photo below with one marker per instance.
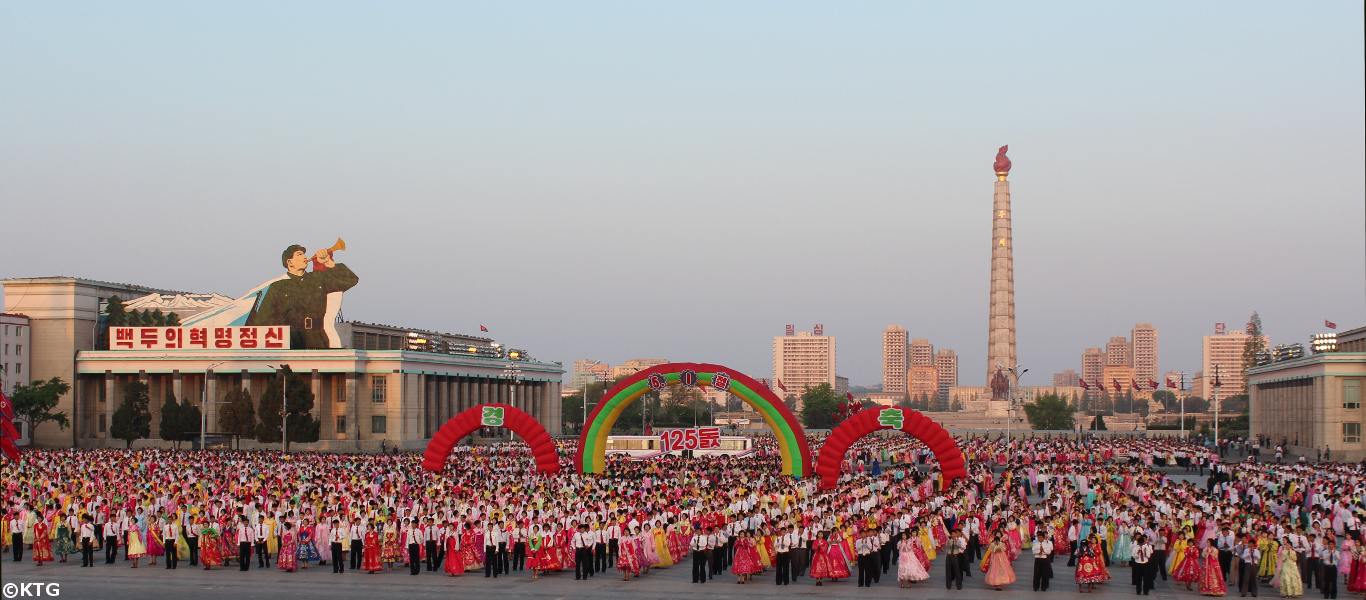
(272, 537)
(1177, 553)
(759, 544)
(927, 542)
(661, 539)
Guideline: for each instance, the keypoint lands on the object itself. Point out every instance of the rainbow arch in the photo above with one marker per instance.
(792, 446)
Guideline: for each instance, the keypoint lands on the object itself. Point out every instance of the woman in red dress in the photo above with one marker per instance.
(370, 563)
(211, 551)
(42, 544)
(1211, 574)
(1090, 567)
(746, 562)
(455, 561)
(822, 566)
(1189, 569)
(548, 556)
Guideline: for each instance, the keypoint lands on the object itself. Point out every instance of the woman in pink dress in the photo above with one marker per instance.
(370, 561)
(472, 547)
(1211, 574)
(996, 563)
(820, 557)
(746, 562)
(629, 555)
(911, 563)
(288, 559)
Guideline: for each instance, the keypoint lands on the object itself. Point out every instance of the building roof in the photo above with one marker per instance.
(79, 280)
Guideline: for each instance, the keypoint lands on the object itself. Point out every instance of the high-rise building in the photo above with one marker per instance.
(1177, 377)
(1144, 342)
(1119, 382)
(803, 360)
(584, 373)
(1119, 353)
(894, 360)
(1092, 363)
(1226, 352)
(923, 381)
(1001, 314)
(636, 365)
(1066, 378)
(921, 353)
(946, 363)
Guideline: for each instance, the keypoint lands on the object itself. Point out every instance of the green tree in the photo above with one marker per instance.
(114, 316)
(173, 320)
(171, 423)
(1141, 407)
(190, 421)
(1167, 398)
(818, 407)
(238, 415)
(33, 403)
(1049, 412)
(1098, 423)
(158, 319)
(571, 411)
(1195, 404)
(295, 394)
(132, 421)
(1255, 344)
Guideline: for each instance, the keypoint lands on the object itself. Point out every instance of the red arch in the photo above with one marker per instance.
(864, 422)
(465, 423)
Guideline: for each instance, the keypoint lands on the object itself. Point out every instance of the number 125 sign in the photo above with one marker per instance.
(700, 438)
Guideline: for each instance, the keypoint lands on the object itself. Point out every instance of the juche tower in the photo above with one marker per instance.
(1001, 326)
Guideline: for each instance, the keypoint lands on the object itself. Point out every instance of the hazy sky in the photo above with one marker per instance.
(681, 180)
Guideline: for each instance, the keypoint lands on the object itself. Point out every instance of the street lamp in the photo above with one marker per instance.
(1018, 372)
(284, 408)
(204, 402)
(516, 375)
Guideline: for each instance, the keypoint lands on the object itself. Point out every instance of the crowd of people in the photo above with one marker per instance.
(1096, 506)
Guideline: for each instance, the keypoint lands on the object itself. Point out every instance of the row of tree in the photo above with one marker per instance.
(239, 415)
(117, 315)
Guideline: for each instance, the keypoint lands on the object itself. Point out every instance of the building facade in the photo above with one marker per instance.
(923, 381)
(1224, 351)
(1067, 378)
(1144, 356)
(1310, 403)
(894, 350)
(946, 363)
(1119, 353)
(383, 385)
(15, 337)
(921, 353)
(1092, 364)
(803, 360)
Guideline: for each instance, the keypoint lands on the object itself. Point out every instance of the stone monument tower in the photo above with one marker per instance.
(1001, 325)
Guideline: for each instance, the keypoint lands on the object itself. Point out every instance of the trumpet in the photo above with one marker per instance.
(340, 245)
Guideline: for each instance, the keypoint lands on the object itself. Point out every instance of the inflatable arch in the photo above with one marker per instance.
(796, 454)
(864, 422)
(492, 415)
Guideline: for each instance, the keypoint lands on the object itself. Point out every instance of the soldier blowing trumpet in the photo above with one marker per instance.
(300, 298)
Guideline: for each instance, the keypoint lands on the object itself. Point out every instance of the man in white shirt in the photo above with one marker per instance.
(337, 538)
(865, 548)
(414, 535)
(111, 540)
(581, 542)
(260, 532)
(782, 546)
(1142, 571)
(246, 536)
(699, 549)
(613, 533)
(356, 536)
(1043, 561)
(167, 533)
(519, 539)
(87, 539)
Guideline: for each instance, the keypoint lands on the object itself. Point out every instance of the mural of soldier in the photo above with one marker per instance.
(300, 298)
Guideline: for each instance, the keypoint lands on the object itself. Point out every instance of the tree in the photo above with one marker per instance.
(238, 415)
(1256, 343)
(571, 411)
(171, 428)
(33, 403)
(1098, 423)
(1196, 404)
(114, 316)
(819, 405)
(1167, 398)
(190, 421)
(296, 395)
(1049, 412)
(158, 319)
(132, 421)
(173, 320)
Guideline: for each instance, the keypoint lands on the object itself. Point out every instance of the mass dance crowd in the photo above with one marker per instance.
(1096, 506)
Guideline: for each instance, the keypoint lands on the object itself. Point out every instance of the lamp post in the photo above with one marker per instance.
(284, 408)
(1216, 385)
(515, 374)
(1018, 372)
(204, 402)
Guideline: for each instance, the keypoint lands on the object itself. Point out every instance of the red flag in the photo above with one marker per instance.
(6, 407)
(1084, 385)
(1100, 384)
(482, 328)
(1134, 384)
(849, 396)
(8, 429)
(1116, 384)
(1152, 384)
(781, 386)
(1170, 385)
(1330, 324)
(8, 448)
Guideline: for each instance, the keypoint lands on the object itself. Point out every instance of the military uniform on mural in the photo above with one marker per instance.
(300, 300)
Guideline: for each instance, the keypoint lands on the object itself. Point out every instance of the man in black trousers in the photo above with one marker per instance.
(356, 535)
(698, 545)
(245, 536)
(429, 535)
(111, 541)
(414, 535)
(956, 561)
(1328, 584)
(87, 541)
(1043, 562)
(583, 553)
(867, 562)
(260, 534)
(338, 534)
(1142, 570)
(782, 546)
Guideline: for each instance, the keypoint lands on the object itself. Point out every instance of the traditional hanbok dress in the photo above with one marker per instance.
(154, 547)
(1357, 574)
(761, 549)
(549, 554)
(820, 559)
(212, 553)
(272, 535)
(746, 558)
(927, 544)
(308, 548)
(289, 552)
(1269, 548)
(1187, 566)
(678, 544)
(455, 563)
(1090, 565)
(1123, 549)
(63, 544)
(392, 552)
(321, 534)
(42, 544)
(911, 562)
(1211, 573)
(1288, 581)
(996, 564)
(136, 549)
(660, 541)
(371, 558)
(470, 549)
(566, 554)
(629, 554)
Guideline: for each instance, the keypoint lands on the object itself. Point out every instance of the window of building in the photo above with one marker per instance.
(1351, 393)
(378, 387)
(379, 424)
(1351, 433)
(18, 349)
(341, 424)
(19, 330)
(341, 389)
(6, 349)
(101, 423)
(18, 368)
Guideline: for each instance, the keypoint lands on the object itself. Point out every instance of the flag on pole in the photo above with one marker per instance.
(1152, 384)
(1116, 384)
(781, 386)
(1330, 324)
(1170, 385)
(482, 328)
(849, 396)
(1084, 385)
(1100, 383)
(1134, 384)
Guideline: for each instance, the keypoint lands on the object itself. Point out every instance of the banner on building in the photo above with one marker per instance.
(699, 438)
(199, 338)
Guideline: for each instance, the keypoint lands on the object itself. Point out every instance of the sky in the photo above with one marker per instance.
(613, 180)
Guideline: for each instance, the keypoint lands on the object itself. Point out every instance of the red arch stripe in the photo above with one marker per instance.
(944, 447)
(465, 423)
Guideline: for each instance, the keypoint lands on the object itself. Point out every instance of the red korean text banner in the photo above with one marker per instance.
(700, 438)
(199, 338)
